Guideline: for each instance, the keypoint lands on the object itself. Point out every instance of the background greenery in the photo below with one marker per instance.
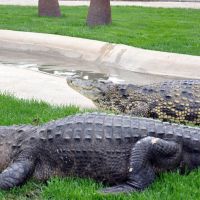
(172, 30)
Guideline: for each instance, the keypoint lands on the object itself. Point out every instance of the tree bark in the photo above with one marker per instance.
(99, 13)
(49, 8)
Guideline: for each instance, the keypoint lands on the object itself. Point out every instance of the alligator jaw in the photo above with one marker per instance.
(89, 88)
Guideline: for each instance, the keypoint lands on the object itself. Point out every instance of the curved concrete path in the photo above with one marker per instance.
(29, 84)
(103, 53)
(193, 4)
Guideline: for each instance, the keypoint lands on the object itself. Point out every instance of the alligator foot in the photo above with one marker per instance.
(16, 173)
(122, 188)
(148, 154)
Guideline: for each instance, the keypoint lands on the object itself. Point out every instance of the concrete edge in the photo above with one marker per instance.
(113, 55)
(33, 85)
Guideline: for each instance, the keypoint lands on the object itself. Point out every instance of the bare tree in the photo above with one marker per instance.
(49, 8)
(99, 13)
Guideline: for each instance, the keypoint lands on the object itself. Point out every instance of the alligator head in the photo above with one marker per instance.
(92, 89)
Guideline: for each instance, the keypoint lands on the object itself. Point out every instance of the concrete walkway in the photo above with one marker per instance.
(28, 84)
(103, 53)
(194, 5)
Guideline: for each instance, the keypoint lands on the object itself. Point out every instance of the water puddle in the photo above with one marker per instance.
(104, 73)
(89, 75)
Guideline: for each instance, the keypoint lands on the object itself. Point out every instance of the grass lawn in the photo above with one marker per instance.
(172, 30)
(170, 186)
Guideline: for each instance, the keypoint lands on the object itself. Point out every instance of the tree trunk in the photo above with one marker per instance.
(49, 8)
(99, 13)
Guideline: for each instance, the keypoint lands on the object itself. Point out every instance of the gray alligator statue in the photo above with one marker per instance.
(123, 151)
(173, 101)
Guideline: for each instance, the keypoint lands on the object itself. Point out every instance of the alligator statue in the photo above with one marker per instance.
(123, 151)
(173, 101)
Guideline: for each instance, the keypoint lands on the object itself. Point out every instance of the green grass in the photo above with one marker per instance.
(170, 186)
(172, 30)
(16, 111)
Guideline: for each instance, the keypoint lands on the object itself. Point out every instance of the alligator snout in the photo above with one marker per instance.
(71, 79)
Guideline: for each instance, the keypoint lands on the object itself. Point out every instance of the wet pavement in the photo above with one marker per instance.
(63, 67)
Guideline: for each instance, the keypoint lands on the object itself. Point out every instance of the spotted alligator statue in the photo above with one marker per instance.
(173, 101)
(123, 151)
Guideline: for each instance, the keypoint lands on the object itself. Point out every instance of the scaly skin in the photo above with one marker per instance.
(173, 101)
(11, 138)
(123, 151)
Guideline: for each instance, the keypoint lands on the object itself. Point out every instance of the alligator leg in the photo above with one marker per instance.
(148, 154)
(16, 173)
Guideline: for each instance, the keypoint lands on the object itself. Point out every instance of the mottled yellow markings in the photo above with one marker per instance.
(184, 98)
(177, 95)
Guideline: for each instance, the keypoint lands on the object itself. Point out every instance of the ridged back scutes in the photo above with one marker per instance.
(13, 132)
(97, 127)
(141, 127)
(67, 128)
